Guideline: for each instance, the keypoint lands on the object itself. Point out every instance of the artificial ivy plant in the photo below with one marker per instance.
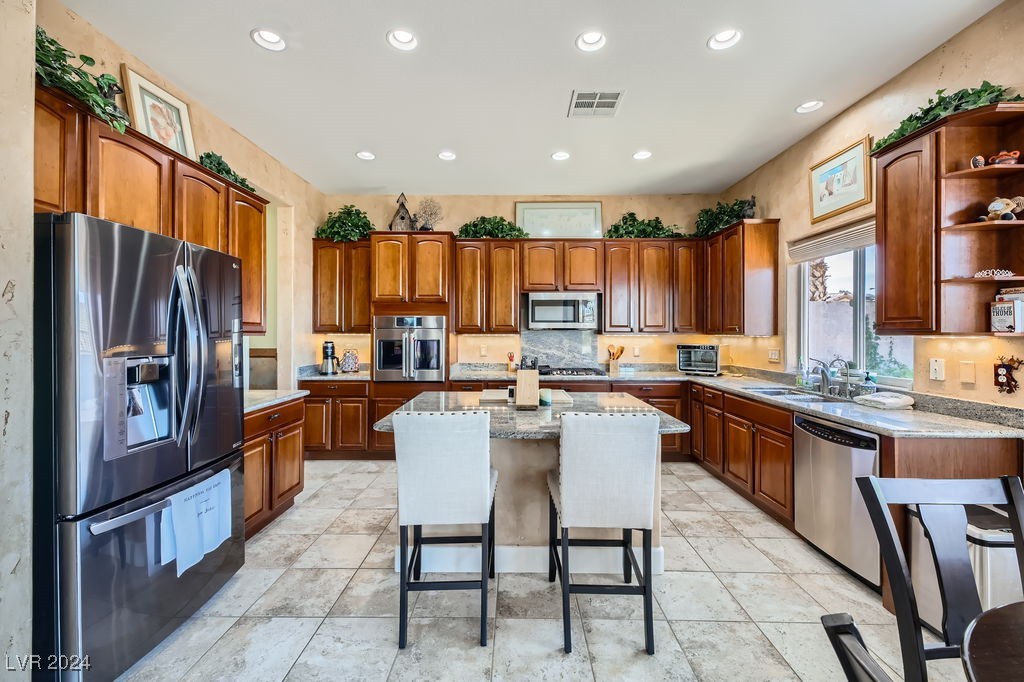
(494, 227)
(97, 92)
(347, 224)
(711, 220)
(218, 165)
(943, 105)
(631, 227)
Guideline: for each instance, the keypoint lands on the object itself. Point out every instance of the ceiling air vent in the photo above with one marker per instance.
(594, 104)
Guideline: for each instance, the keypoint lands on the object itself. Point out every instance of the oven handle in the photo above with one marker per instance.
(101, 527)
(412, 354)
(406, 356)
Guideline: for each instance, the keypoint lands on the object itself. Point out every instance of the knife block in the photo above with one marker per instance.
(527, 389)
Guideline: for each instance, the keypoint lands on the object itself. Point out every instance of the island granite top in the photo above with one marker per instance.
(543, 423)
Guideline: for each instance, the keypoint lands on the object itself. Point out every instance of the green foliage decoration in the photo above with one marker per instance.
(218, 165)
(494, 227)
(97, 92)
(943, 105)
(347, 224)
(711, 220)
(631, 227)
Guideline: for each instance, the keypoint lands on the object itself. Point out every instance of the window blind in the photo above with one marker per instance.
(830, 243)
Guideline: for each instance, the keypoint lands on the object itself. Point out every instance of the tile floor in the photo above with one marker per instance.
(317, 599)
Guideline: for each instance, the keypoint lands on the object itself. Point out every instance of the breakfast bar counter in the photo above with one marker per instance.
(524, 448)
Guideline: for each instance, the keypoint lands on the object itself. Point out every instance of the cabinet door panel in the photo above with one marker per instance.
(129, 181)
(390, 278)
(350, 423)
(671, 443)
(431, 255)
(256, 456)
(738, 441)
(542, 266)
(382, 407)
(655, 283)
(328, 296)
(773, 477)
(713, 436)
(697, 429)
(620, 287)
(317, 426)
(905, 235)
(503, 288)
(356, 291)
(471, 287)
(247, 241)
(583, 266)
(200, 208)
(58, 155)
(688, 286)
(732, 281)
(713, 307)
(288, 464)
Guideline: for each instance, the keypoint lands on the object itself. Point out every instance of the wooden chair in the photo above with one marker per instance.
(940, 504)
(858, 665)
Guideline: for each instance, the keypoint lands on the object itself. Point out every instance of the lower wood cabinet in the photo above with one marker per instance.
(272, 463)
(382, 407)
(773, 470)
(697, 422)
(349, 423)
(712, 447)
(337, 416)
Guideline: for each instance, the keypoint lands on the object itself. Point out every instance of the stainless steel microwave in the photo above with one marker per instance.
(703, 359)
(561, 310)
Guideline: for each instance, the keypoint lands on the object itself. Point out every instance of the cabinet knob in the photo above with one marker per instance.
(276, 415)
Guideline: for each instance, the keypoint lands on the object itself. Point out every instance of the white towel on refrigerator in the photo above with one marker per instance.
(198, 522)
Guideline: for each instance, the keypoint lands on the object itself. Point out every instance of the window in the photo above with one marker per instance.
(837, 317)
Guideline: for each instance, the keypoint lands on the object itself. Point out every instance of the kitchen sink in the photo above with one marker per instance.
(794, 395)
(774, 391)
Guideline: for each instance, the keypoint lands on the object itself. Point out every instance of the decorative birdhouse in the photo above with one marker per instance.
(402, 220)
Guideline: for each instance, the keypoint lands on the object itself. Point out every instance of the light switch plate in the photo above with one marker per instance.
(936, 369)
(968, 374)
(636, 351)
(483, 350)
(774, 355)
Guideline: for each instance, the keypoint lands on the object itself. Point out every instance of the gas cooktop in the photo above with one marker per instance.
(545, 370)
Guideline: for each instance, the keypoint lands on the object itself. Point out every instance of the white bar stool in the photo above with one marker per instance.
(444, 477)
(606, 479)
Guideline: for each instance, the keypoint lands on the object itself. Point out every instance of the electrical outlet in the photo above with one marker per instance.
(483, 350)
(968, 374)
(636, 351)
(936, 369)
(774, 355)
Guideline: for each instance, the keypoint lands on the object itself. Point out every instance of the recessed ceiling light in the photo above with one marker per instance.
(590, 41)
(560, 156)
(808, 107)
(446, 155)
(641, 155)
(366, 156)
(723, 40)
(267, 39)
(400, 39)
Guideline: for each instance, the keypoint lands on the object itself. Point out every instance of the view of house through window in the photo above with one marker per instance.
(839, 317)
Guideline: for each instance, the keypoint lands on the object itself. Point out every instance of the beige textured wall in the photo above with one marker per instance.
(977, 53)
(17, 38)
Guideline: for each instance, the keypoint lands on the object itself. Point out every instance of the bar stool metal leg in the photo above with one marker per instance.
(403, 602)
(490, 555)
(566, 624)
(648, 593)
(485, 550)
(627, 547)
(417, 545)
(552, 539)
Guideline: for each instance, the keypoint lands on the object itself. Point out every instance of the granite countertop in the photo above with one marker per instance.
(462, 374)
(361, 375)
(257, 400)
(540, 424)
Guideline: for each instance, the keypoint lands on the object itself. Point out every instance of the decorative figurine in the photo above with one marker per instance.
(402, 219)
(1004, 158)
(978, 161)
(349, 360)
(1003, 209)
(1004, 379)
(428, 215)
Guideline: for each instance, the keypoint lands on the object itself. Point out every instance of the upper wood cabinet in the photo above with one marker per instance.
(905, 232)
(356, 291)
(713, 296)
(247, 241)
(390, 279)
(742, 279)
(503, 287)
(688, 283)
(542, 265)
(341, 286)
(430, 260)
(620, 286)
(563, 265)
(732, 281)
(58, 155)
(583, 265)
(128, 181)
(487, 286)
(655, 286)
(200, 207)
(470, 287)
(410, 267)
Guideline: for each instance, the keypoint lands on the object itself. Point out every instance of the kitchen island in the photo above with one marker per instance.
(524, 448)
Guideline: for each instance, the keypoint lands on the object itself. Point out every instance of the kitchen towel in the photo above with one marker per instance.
(198, 521)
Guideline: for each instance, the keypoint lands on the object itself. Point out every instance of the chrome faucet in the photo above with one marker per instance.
(822, 369)
(845, 365)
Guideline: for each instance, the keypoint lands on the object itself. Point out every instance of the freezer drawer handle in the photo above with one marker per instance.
(101, 527)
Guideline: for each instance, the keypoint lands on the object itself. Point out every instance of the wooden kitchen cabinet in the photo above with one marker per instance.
(620, 286)
(582, 265)
(697, 422)
(773, 470)
(341, 286)
(471, 286)
(742, 279)
(273, 462)
(542, 265)
(654, 293)
(382, 407)
(349, 422)
(256, 463)
(738, 447)
(669, 398)
(410, 267)
(200, 207)
(357, 315)
(247, 241)
(712, 448)
(732, 281)
(688, 285)
(318, 420)
(390, 278)
(713, 295)
(487, 286)
(337, 416)
(288, 464)
(503, 287)
(58, 186)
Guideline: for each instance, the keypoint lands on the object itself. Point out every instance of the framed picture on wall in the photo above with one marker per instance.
(158, 113)
(560, 219)
(841, 182)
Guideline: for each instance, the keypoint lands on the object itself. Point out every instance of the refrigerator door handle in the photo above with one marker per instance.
(204, 353)
(188, 308)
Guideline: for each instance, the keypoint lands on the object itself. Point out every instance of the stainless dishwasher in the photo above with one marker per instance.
(829, 510)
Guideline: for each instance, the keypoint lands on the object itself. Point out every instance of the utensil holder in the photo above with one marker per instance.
(613, 368)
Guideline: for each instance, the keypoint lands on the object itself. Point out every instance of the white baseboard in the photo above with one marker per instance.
(518, 559)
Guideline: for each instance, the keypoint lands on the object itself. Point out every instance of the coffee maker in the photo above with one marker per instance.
(330, 363)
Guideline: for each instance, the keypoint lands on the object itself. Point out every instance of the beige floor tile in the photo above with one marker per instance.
(531, 649)
(681, 556)
(255, 649)
(695, 596)
(240, 591)
(268, 550)
(728, 652)
(701, 524)
(332, 495)
(772, 598)
(371, 592)
(806, 648)
(732, 554)
(884, 643)
(683, 500)
(841, 593)
(530, 595)
(726, 500)
(454, 603)
(382, 555)
(369, 466)
(304, 521)
(179, 651)
(350, 479)
(385, 480)
(348, 649)
(336, 551)
(670, 481)
(689, 469)
(704, 483)
(361, 522)
(445, 649)
(793, 555)
(756, 524)
(324, 467)
(307, 592)
(376, 498)
(617, 652)
(668, 529)
(309, 488)
(610, 606)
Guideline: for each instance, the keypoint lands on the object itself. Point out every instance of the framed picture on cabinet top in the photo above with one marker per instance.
(560, 219)
(157, 113)
(841, 182)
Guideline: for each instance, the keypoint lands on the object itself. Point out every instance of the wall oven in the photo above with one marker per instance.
(557, 310)
(409, 348)
(700, 359)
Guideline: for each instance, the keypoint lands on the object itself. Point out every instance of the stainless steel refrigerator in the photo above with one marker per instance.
(138, 395)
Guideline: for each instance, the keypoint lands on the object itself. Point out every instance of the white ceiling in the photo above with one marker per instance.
(492, 80)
